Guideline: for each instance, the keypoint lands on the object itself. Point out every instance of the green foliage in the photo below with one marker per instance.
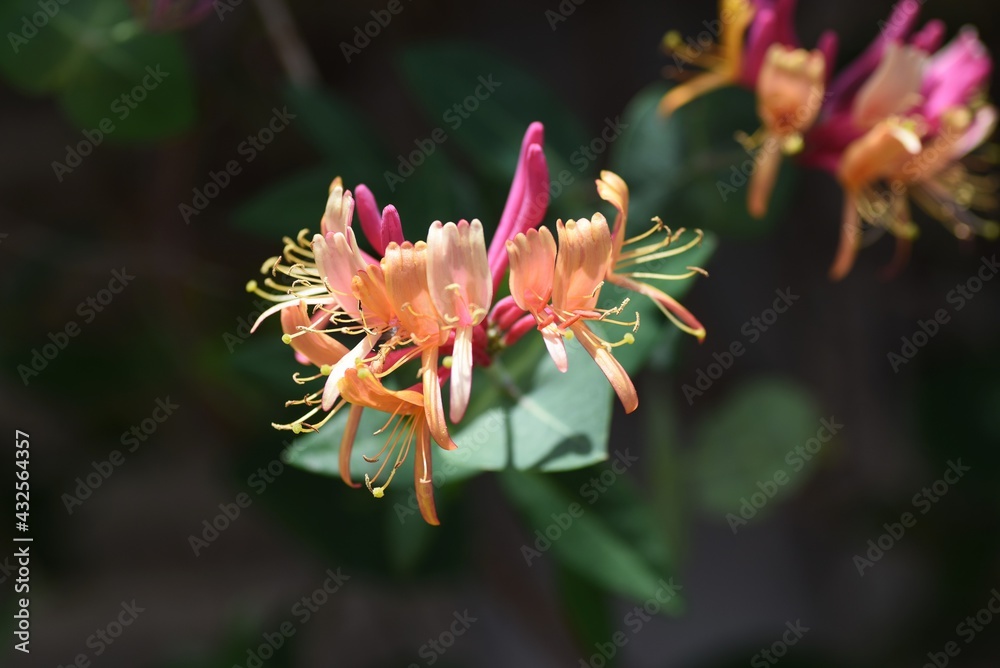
(611, 542)
(90, 55)
(746, 440)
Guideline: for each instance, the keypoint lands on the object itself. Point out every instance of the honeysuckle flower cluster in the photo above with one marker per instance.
(432, 302)
(892, 126)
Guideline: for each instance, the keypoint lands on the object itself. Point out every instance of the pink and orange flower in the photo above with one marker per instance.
(432, 302)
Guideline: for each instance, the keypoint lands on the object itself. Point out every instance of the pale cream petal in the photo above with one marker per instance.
(461, 373)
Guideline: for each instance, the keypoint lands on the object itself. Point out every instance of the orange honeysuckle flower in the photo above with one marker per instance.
(405, 267)
(622, 265)
(723, 64)
(789, 96)
(577, 271)
(878, 154)
(362, 389)
(461, 287)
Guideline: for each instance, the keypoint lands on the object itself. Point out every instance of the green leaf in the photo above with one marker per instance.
(597, 546)
(103, 70)
(748, 440)
(682, 167)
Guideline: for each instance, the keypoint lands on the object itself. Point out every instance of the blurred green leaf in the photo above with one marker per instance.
(341, 134)
(746, 439)
(445, 78)
(595, 545)
(101, 68)
(350, 148)
(288, 206)
(682, 167)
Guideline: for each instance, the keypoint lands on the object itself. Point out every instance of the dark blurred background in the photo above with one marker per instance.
(176, 334)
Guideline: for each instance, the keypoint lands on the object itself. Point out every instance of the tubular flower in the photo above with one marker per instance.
(723, 63)
(878, 154)
(461, 288)
(561, 290)
(432, 303)
(622, 267)
(362, 389)
(405, 268)
(897, 125)
(789, 97)
(746, 30)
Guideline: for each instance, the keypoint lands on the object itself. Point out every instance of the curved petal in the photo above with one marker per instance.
(762, 182)
(556, 346)
(461, 373)
(347, 444)
(318, 348)
(850, 234)
(612, 369)
(423, 478)
(433, 405)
